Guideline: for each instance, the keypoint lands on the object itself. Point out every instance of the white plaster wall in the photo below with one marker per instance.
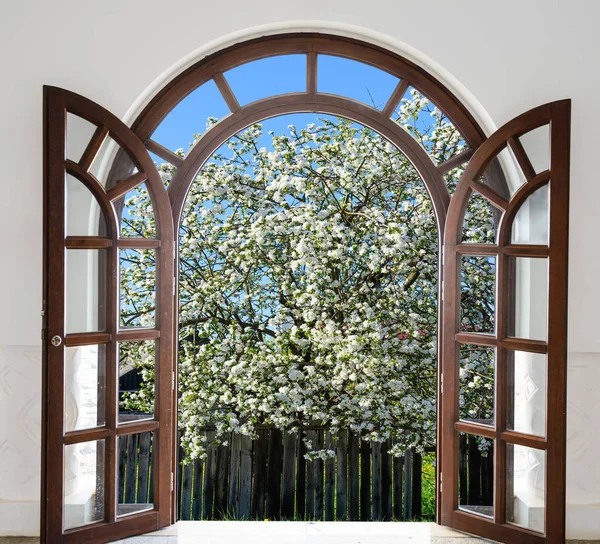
(501, 57)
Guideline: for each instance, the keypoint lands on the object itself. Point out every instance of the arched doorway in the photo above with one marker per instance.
(301, 221)
(492, 179)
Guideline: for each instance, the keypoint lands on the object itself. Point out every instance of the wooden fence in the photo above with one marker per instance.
(475, 476)
(269, 478)
(135, 469)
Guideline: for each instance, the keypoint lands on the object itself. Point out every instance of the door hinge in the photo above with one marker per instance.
(442, 383)
(43, 314)
(173, 381)
(441, 479)
(172, 482)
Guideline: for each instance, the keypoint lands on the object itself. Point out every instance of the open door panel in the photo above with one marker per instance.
(520, 259)
(91, 161)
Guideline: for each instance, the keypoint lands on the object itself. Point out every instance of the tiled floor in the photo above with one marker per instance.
(272, 532)
(239, 532)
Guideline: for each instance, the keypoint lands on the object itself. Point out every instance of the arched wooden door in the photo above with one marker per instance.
(88, 491)
(524, 346)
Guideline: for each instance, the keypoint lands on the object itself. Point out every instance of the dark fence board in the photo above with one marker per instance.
(329, 479)
(301, 480)
(376, 480)
(398, 467)
(233, 495)
(407, 485)
(222, 482)
(179, 478)
(151, 475)
(261, 452)
(319, 473)
(144, 468)
(288, 480)
(342, 475)
(463, 496)
(186, 492)
(274, 475)
(197, 504)
(474, 472)
(131, 471)
(353, 475)
(386, 481)
(311, 479)
(417, 483)
(487, 478)
(245, 492)
(365, 480)
(122, 446)
(209, 478)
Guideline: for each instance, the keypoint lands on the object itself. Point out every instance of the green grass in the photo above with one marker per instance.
(428, 487)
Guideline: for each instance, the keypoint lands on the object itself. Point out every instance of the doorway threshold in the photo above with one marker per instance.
(300, 532)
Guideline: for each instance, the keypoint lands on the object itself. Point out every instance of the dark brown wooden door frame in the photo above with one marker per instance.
(557, 116)
(213, 67)
(57, 103)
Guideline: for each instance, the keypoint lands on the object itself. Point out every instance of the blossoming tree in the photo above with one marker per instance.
(308, 286)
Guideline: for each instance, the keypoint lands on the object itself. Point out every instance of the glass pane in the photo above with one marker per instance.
(138, 287)
(481, 221)
(503, 174)
(83, 483)
(83, 214)
(528, 289)
(476, 400)
(476, 474)
(79, 134)
(452, 178)
(527, 392)
(135, 489)
(190, 118)
(85, 383)
(137, 214)
(354, 79)
(85, 292)
(478, 286)
(525, 484)
(537, 146)
(111, 164)
(431, 128)
(268, 77)
(531, 223)
(136, 380)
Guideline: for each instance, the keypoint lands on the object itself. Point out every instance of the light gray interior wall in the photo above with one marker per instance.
(505, 57)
